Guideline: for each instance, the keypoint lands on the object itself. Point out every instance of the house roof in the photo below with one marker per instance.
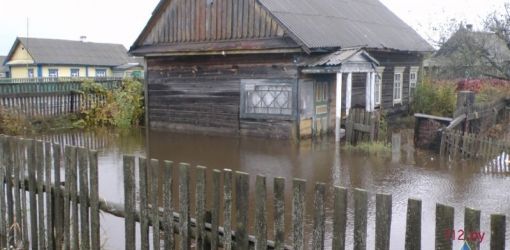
(345, 24)
(339, 57)
(67, 52)
(472, 44)
(330, 24)
(3, 68)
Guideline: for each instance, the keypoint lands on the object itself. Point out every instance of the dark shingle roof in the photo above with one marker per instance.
(3, 68)
(345, 24)
(56, 51)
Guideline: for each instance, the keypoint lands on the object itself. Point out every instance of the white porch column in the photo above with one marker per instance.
(372, 90)
(348, 94)
(367, 93)
(338, 106)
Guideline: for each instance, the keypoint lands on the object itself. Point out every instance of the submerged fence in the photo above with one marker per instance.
(361, 125)
(49, 99)
(41, 208)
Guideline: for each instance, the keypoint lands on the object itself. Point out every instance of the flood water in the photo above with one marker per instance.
(417, 174)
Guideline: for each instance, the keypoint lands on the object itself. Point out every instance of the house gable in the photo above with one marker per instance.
(19, 55)
(192, 23)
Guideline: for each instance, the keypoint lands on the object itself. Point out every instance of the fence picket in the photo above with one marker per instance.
(472, 224)
(339, 218)
(3, 213)
(227, 209)
(95, 237)
(41, 229)
(382, 221)
(167, 197)
(83, 167)
(241, 203)
(279, 213)
(260, 213)
(184, 227)
(413, 225)
(498, 231)
(144, 213)
(215, 212)
(154, 167)
(360, 219)
(49, 196)
(319, 217)
(129, 201)
(298, 213)
(200, 207)
(444, 223)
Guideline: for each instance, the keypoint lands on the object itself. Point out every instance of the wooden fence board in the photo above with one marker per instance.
(184, 206)
(360, 219)
(319, 229)
(339, 218)
(168, 199)
(154, 191)
(144, 213)
(260, 213)
(413, 225)
(298, 213)
(382, 221)
(279, 213)
(241, 203)
(129, 202)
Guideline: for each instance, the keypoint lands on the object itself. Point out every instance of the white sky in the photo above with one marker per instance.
(120, 21)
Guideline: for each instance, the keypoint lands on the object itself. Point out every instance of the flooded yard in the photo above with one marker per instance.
(417, 174)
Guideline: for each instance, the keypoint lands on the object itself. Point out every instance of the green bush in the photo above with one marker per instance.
(122, 107)
(438, 98)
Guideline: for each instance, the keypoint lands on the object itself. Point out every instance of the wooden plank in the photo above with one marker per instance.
(39, 154)
(200, 207)
(73, 182)
(241, 203)
(444, 222)
(7, 161)
(215, 211)
(382, 221)
(95, 237)
(360, 219)
(498, 231)
(129, 202)
(413, 225)
(69, 158)
(279, 213)
(319, 229)
(49, 196)
(144, 212)
(184, 206)
(471, 225)
(260, 213)
(227, 209)
(3, 206)
(17, 197)
(155, 204)
(169, 213)
(24, 209)
(339, 218)
(83, 167)
(298, 213)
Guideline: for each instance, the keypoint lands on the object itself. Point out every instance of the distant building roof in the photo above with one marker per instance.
(67, 52)
(3, 68)
(466, 44)
(345, 24)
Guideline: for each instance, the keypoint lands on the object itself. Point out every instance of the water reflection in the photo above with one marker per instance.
(417, 174)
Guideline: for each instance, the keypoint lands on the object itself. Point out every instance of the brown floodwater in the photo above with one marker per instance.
(416, 174)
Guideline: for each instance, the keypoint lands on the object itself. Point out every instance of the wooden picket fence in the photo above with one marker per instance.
(455, 144)
(58, 80)
(50, 211)
(49, 99)
(361, 125)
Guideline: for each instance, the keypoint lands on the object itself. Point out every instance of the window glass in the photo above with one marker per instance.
(268, 99)
(75, 72)
(53, 72)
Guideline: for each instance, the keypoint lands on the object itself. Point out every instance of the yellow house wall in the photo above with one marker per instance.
(20, 54)
(63, 71)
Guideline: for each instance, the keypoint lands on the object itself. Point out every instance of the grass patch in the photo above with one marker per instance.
(377, 148)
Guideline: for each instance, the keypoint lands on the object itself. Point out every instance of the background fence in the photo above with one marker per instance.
(361, 126)
(50, 99)
(215, 215)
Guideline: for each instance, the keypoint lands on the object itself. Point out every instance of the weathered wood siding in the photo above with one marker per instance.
(210, 20)
(202, 94)
(390, 60)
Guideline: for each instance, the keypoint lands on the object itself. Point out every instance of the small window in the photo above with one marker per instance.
(53, 73)
(100, 72)
(378, 86)
(397, 85)
(75, 72)
(413, 80)
(264, 98)
(31, 73)
(321, 91)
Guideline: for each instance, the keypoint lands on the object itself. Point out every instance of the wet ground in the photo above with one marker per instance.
(416, 174)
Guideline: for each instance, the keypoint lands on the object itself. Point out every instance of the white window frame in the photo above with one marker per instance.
(31, 73)
(75, 69)
(253, 88)
(53, 75)
(413, 82)
(378, 86)
(399, 71)
(102, 70)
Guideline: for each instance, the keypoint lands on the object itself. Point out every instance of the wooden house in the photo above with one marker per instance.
(54, 58)
(285, 69)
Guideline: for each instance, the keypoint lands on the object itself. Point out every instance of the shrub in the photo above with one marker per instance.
(435, 98)
(12, 123)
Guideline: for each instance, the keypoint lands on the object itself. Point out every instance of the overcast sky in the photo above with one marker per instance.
(120, 21)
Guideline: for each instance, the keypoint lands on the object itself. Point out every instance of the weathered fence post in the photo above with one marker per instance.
(319, 217)
(360, 219)
(242, 192)
(184, 226)
(83, 168)
(260, 213)
(3, 214)
(215, 212)
(279, 212)
(144, 213)
(169, 214)
(154, 167)
(39, 154)
(444, 224)
(49, 196)
(339, 218)
(395, 147)
(227, 209)
(382, 221)
(200, 206)
(498, 231)
(298, 213)
(472, 224)
(95, 237)
(413, 225)
(465, 101)
(129, 202)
